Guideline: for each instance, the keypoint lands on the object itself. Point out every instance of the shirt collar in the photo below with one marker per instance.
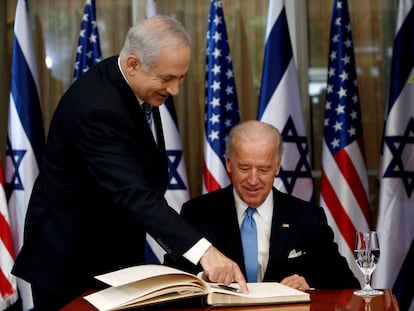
(120, 69)
(265, 210)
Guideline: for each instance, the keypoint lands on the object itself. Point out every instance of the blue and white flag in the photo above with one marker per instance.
(280, 104)
(150, 8)
(177, 191)
(221, 107)
(25, 140)
(395, 223)
(89, 49)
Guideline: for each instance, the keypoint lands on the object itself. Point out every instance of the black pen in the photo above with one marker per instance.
(227, 287)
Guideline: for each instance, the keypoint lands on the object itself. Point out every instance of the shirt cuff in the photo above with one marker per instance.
(195, 253)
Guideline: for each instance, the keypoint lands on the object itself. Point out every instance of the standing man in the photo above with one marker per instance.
(293, 243)
(104, 173)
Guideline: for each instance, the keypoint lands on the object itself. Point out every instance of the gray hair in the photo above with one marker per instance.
(255, 130)
(146, 39)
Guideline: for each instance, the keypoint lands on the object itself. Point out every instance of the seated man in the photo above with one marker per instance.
(294, 244)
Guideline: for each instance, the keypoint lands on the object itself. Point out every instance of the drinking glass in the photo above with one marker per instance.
(367, 253)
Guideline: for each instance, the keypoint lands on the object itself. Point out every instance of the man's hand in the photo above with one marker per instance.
(296, 281)
(220, 269)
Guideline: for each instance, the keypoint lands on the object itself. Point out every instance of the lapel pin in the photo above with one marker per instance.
(285, 225)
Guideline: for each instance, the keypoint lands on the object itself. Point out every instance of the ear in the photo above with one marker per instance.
(277, 169)
(133, 64)
(228, 166)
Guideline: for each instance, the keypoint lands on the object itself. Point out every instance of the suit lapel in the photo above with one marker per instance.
(144, 134)
(231, 231)
(160, 139)
(135, 111)
(281, 234)
(158, 128)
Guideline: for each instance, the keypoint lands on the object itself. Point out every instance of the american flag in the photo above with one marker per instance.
(221, 107)
(25, 135)
(177, 189)
(344, 180)
(8, 285)
(89, 49)
(395, 223)
(280, 104)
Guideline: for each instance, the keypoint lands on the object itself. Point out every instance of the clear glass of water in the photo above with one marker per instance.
(367, 254)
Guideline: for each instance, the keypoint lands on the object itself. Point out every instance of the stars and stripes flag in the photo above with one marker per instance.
(177, 189)
(396, 198)
(221, 107)
(89, 49)
(25, 139)
(344, 178)
(8, 283)
(280, 104)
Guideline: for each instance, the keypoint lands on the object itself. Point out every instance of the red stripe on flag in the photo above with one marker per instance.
(1, 176)
(5, 235)
(350, 174)
(342, 219)
(6, 289)
(210, 182)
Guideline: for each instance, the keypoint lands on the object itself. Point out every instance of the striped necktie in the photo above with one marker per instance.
(248, 232)
(148, 112)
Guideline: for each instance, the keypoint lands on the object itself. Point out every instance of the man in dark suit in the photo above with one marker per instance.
(295, 243)
(104, 173)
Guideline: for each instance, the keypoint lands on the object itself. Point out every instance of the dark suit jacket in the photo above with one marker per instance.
(100, 188)
(296, 225)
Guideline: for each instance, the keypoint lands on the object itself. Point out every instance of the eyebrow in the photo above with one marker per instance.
(167, 76)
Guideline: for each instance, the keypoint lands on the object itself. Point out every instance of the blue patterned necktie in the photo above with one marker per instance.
(148, 112)
(248, 232)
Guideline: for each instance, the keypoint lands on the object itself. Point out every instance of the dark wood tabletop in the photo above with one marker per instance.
(321, 300)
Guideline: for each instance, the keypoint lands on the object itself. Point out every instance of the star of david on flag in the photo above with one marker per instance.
(396, 178)
(344, 177)
(280, 104)
(397, 166)
(175, 181)
(15, 156)
(221, 107)
(89, 49)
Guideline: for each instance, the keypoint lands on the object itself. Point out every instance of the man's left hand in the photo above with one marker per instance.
(296, 281)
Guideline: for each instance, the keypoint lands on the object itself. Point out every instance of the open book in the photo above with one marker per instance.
(150, 284)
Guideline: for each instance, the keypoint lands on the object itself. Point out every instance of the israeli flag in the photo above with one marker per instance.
(26, 139)
(280, 104)
(396, 200)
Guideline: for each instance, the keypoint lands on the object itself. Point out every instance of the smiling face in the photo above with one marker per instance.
(163, 78)
(253, 165)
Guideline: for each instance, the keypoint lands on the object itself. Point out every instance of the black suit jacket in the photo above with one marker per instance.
(296, 225)
(100, 188)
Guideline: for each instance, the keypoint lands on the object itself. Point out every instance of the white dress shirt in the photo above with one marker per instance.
(263, 218)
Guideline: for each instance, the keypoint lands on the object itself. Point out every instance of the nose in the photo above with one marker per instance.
(253, 177)
(173, 87)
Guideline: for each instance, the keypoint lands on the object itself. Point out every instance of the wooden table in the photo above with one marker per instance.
(321, 300)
